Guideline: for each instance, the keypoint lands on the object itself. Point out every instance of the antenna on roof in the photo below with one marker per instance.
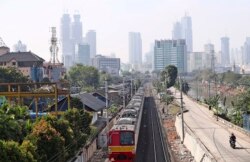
(53, 47)
(2, 44)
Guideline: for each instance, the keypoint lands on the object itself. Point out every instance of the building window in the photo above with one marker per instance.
(13, 63)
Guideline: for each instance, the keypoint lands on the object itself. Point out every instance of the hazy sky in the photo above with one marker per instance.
(30, 20)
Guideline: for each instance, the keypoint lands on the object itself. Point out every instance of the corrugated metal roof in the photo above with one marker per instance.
(20, 56)
(92, 102)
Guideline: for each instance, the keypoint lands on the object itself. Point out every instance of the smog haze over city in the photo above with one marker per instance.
(30, 22)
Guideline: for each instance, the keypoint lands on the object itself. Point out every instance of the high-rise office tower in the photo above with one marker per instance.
(76, 29)
(91, 40)
(170, 52)
(66, 41)
(209, 58)
(225, 58)
(107, 64)
(76, 34)
(177, 31)
(135, 49)
(187, 34)
(82, 54)
(246, 51)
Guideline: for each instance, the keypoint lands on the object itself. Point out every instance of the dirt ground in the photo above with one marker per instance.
(179, 152)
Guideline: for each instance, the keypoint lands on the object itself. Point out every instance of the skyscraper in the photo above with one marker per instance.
(246, 51)
(135, 48)
(170, 52)
(225, 58)
(82, 54)
(177, 31)
(66, 41)
(187, 34)
(209, 61)
(76, 29)
(91, 40)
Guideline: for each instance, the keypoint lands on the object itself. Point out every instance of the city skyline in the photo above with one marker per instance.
(112, 20)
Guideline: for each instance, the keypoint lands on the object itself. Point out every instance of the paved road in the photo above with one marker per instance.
(213, 134)
(150, 147)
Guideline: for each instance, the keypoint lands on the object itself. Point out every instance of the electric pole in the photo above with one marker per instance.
(123, 92)
(107, 117)
(182, 118)
(131, 88)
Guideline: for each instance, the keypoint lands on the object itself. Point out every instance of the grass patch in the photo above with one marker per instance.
(173, 109)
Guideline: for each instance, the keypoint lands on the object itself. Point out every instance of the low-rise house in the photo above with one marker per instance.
(28, 63)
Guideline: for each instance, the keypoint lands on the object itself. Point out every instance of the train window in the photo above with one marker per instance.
(126, 138)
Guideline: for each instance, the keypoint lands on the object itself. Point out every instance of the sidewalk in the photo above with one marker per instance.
(214, 134)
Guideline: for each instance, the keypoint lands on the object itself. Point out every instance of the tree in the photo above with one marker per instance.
(12, 75)
(48, 141)
(11, 151)
(13, 122)
(168, 99)
(63, 127)
(158, 86)
(230, 77)
(169, 75)
(214, 102)
(76, 103)
(84, 76)
(79, 121)
(104, 76)
(185, 86)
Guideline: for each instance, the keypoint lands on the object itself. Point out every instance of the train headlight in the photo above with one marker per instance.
(133, 151)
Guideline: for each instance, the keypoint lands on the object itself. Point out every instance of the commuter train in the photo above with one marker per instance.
(123, 136)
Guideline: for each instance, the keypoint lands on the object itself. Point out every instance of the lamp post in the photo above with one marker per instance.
(123, 92)
(131, 88)
(107, 117)
(182, 118)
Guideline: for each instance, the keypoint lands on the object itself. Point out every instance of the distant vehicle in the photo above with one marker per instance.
(123, 136)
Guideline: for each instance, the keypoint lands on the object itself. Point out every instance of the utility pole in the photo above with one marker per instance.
(182, 118)
(123, 92)
(209, 88)
(131, 88)
(197, 88)
(107, 117)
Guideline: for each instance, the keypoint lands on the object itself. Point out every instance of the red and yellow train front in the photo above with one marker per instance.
(121, 146)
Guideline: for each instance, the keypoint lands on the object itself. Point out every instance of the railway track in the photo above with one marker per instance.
(151, 145)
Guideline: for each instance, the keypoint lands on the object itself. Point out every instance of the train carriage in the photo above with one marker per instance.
(123, 136)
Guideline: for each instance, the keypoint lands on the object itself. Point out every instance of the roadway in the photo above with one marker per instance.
(213, 134)
(151, 146)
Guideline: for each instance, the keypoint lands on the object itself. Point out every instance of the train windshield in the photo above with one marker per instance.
(127, 138)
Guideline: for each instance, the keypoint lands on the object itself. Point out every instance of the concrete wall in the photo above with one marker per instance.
(87, 152)
(193, 144)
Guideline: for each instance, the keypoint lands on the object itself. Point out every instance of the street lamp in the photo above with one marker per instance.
(123, 86)
(182, 118)
(107, 117)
